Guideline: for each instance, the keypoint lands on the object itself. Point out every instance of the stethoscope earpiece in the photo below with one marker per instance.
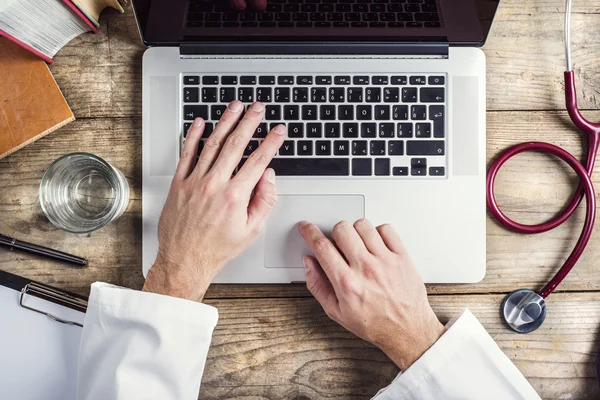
(523, 310)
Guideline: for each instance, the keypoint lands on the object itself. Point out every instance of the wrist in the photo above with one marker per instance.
(409, 347)
(174, 280)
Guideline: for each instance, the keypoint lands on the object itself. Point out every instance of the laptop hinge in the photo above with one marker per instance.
(314, 49)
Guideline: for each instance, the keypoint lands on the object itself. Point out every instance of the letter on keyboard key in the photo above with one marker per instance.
(425, 148)
(311, 166)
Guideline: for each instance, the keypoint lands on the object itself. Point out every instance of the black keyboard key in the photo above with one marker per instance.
(186, 128)
(417, 80)
(287, 148)
(252, 145)
(364, 113)
(266, 80)
(395, 24)
(412, 8)
(323, 80)
(287, 24)
(437, 171)
(396, 148)
(387, 17)
(380, 80)
(437, 115)
(264, 17)
(409, 95)
(295, 166)
(282, 95)
(248, 80)
(327, 112)
(429, 8)
(200, 147)
(304, 80)
(229, 80)
(418, 171)
(368, 130)
(309, 113)
(346, 112)
(323, 148)
(423, 130)
(217, 111)
(332, 130)
(399, 80)
(361, 167)
(370, 17)
(300, 95)
(400, 171)
(305, 148)
(285, 80)
(436, 80)
(208, 129)
(373, 95)
(341, 148)
(296, 130)
(382, 166)
(291, 113)
(273, 112)
(308, 8)
(322, 24)
(360, 24)
(386, 130)
(350, 130)
(336, 95)
(355, 95)
(378, 148)
(432, 95)
(382, 113)
(335, 17)
(192, 112)
(246, 94)
(377, 24)
(299, 18)
(426, 17)
(261, 131)
(209, 94)
(425, 148)
(313, 130)
(283, 17)
(264, 94)
(391, 95)
(360, 80)
(191, 80)
(405, 130)
(227, 94)
(359, 147)
(318, 95)
(432, 24)
(210, 80)
(400, 113)
(191, 94)
(341, 80)
(418, 112)
(418, 162)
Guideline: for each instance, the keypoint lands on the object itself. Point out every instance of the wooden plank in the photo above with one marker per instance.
(531, 188)
(100, 75)
(288, 348)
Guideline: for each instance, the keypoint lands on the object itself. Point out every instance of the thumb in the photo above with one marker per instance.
(318, 284)
(263, 200)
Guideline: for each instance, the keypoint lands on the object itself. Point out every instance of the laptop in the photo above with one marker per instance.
(384, 101)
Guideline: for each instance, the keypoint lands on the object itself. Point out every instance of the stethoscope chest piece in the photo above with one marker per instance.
(524, 310)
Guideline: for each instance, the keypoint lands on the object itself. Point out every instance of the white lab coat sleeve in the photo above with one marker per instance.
(465, 363)
(140, 345)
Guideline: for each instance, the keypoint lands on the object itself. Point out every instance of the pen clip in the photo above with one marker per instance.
(54, 296)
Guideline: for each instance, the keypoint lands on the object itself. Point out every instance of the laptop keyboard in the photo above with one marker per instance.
(319, 14)
(384, 125)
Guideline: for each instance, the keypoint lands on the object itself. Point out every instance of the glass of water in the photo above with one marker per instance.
(80, 193)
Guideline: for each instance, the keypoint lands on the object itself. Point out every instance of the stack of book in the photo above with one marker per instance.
(43, 27)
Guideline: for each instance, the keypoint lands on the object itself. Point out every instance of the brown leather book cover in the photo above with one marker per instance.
(31, 104)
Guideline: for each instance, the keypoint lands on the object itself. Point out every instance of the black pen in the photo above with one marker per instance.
(13, 244)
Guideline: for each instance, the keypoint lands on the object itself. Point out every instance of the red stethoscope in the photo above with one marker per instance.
(524, 310)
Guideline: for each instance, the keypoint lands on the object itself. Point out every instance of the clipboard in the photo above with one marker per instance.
(39, 339)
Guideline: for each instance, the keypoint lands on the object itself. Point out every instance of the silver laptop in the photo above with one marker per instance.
(384, 101)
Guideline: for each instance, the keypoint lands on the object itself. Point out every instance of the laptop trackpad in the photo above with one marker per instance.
(284, 247)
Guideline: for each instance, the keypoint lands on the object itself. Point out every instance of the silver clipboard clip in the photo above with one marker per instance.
(54, 296)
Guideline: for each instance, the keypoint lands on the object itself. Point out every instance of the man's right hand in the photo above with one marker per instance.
(367, 283)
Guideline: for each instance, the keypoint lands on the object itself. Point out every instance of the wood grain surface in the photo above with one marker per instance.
(273, 341)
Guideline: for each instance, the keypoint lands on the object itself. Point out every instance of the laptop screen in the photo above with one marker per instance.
(174, 22)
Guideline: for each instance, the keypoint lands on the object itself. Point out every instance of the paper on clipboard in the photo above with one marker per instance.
(38, 355)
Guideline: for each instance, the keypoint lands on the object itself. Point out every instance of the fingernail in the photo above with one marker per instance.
(235, 106)
(257, 107)
(198, 122)
(307, 263)
(271, 175)
(303, 223)
(280, 130)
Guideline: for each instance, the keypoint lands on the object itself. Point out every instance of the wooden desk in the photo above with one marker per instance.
(274, 342)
